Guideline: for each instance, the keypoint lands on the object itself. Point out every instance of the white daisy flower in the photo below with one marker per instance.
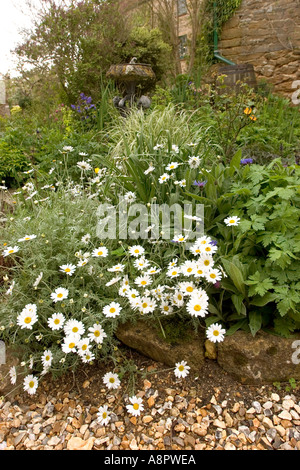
(141, 263)
(180, 238)
(27, 238)
(56, 322)
(130, 197)
(233, 220)
(97, 334)
(47, 358)
(68, 148)
(136, 406)
(175, 148)
(146, 305)
(143, 281)
(166, 308)
(113, 281)
(132, 294)
(173, 272)
(85, 166)
(181, 369)
(13, 375)
(111, 381)
(153, 270)
(60, 294)
(30, 384)
(198, 304)
(181, 183)
(149, 170)
(11, 288)
(205, 262)
(116, 268)
(82, 262)
(38, 280)
(28, 317)
(103, 415)
(213, 275)
(74, 327)
(86, 239)
(178, 299)
(101, 252)
(187, 288)
(172, 166)
(10, 250)
(194, 162)
(68, 269)
(87, 357)
(70, 343)
(112, 310)
(188, 268)
(123, 290)
(215, 333)
(163, 178)
(136, 251)
(83, 346)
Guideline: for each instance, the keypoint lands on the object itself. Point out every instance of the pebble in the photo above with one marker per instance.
(174, 419)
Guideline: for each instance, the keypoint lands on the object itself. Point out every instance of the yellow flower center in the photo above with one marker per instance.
(67, 270)
(136, 406)
(197, 308)
(145, 305)
(84, 347)
(213, 276)
(60, 296)
(136, 251)
(100, 253)
(181, 368)
(27, 320)
(189, 270)
(112, 380)
(144, 283)
(104, 416)
(97, 333)
(206, 262)
(11, 251)
(232, 221)
(31, 384)
(72, 345)
(216, 333)
(174, 273)
(190, 289)
(47, 358)
(57, 321)
(112, 310)
(75, 329)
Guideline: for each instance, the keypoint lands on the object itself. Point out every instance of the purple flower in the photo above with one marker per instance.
(213, 243)
(246, 161)
(200, 184)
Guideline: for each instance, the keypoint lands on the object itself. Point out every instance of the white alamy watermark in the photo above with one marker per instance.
(2, 353)
(150, 221)
(296, 94)
(296, 354)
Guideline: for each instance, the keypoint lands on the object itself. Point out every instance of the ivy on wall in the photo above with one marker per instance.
(217, 13)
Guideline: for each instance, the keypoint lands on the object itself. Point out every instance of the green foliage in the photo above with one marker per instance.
(12, 163)
(261, 255)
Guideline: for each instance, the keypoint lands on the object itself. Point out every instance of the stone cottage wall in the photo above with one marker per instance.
(266, 34)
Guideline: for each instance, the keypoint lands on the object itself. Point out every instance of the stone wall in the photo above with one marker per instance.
(266, 34)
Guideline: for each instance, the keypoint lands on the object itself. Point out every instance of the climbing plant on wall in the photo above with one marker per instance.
(217, 13)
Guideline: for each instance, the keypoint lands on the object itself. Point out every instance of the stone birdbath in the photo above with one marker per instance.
(131, 79)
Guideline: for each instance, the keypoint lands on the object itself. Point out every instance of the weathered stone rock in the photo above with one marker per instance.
(146, 340)
(262, 359)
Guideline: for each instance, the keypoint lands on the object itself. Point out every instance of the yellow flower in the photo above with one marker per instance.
(97, 170)
(248, 111)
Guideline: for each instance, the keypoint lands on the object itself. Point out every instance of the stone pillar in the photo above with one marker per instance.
(4, 108)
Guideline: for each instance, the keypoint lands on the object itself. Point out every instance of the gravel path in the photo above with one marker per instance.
(208, 412)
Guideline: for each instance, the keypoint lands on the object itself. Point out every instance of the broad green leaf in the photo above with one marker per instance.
(255, 322)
